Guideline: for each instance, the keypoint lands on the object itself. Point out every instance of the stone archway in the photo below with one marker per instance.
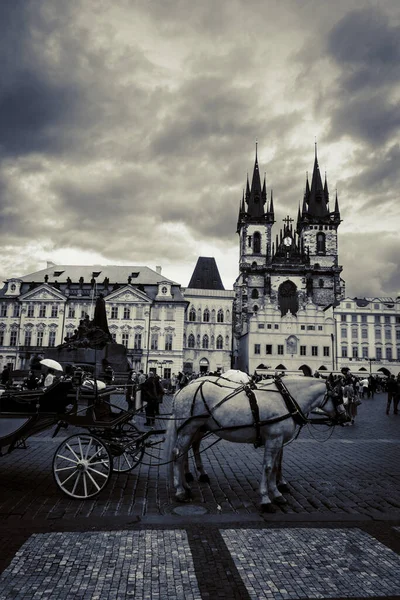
(204, 365)
(306, 370)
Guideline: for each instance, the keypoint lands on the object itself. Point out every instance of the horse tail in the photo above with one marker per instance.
(170, 437)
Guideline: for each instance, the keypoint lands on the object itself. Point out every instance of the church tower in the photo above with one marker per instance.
(255, 220)
(317, 227)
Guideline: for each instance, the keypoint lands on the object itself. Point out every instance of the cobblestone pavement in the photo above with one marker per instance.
(338, 536)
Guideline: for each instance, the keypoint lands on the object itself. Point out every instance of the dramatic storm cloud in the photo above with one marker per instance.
(127, 129)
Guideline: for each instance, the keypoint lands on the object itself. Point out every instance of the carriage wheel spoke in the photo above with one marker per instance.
(64, 468)
(84, 484)
(66, 458)
(97, 472)
(76, 482)
(93, 481)
(72, 451)
(88, 447)
(69, 477)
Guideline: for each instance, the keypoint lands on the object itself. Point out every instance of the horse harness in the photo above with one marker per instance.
(292, 406)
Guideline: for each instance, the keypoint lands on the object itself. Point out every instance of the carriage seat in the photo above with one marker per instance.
(52, 399)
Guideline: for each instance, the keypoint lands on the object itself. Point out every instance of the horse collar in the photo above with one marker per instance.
(294, 409)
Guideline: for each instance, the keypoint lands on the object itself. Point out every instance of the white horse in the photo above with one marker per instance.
(265, 415)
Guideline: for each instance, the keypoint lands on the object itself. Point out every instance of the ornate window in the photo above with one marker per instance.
(168, 341)
(16, 310)
(28, 338)
(220, 343)
(114, 312)
(220, 316)
(54, 311)
(257, 242)
(13, 337)
(31, 310)
(137, 342)
(205, 341)
(254, 294)
(71, 312)
(52, 339)
(39, 338)
(3, 310)
(125, 339)
(191, 341)
(42, 310)
(320, 243)
(154, 341)
(206, 316)
(192, 314)
(127, 312)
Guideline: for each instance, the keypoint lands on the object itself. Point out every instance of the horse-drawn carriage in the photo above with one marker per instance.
(106, 439)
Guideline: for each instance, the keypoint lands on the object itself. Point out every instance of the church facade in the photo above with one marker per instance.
(288, 285)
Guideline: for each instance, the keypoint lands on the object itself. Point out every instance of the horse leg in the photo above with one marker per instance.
(280, 480)
(182, 445)
(203, 477)
(268, 488)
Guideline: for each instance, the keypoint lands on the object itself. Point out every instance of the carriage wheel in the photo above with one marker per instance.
(128, 460)
(82, 466)
(131, 458)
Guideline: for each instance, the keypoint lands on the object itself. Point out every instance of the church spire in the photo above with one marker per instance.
(316, 201)
(254, 195)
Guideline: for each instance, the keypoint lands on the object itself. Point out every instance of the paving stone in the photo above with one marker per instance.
(313, 563)
(75, 563)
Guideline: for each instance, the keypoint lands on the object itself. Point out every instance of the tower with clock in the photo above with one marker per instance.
(290, 276)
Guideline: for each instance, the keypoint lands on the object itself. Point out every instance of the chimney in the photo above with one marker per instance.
(158, 269)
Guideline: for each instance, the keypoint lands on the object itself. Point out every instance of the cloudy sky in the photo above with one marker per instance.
(127, 129)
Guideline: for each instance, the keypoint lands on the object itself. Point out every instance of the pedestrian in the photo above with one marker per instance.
(160, 392)
(364, 388)
(108, 374)
(351, 405)
(49, 379)
(392, 394)
(150, 397)
(6, 375)
(183, 381)
(31, 382)
(130, 389)
(173, 383)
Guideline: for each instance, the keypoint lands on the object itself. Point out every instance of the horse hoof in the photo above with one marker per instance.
(189, 477)
(284, 488)
(204, 478)
(183, 497)
(280, 500)
(267, 508)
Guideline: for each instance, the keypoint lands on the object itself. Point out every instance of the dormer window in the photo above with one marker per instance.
(13, 287)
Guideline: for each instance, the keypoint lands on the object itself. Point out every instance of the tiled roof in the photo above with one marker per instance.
(206, 275)
(115, 273)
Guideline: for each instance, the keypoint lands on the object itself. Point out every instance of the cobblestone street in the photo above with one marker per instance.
(337, 537)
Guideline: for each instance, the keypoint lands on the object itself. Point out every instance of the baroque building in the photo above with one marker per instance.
(145, 313)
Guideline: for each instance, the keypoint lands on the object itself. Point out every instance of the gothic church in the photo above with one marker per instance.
(286, 281)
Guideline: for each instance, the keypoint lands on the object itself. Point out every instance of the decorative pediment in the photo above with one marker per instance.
(127, 294)
(44, 292)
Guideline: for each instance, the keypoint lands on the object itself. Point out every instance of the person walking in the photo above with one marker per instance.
(6, 376)
(392, 394)
(150, 397)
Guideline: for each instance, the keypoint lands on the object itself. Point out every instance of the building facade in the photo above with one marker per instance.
(145, 311)
(368, 334)
(208, 325)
